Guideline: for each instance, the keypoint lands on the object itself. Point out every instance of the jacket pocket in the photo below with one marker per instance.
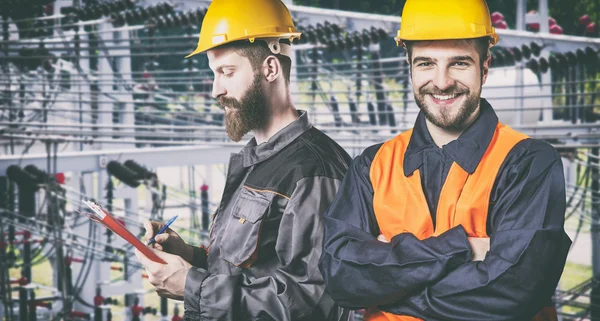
(240, 241)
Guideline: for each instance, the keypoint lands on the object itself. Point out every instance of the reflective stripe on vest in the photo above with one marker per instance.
(400, 205)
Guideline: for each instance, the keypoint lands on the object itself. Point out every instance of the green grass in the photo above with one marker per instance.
(573, 275)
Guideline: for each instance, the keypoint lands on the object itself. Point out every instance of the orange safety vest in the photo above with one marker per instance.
(400, 205)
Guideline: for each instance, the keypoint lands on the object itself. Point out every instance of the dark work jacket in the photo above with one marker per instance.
(266, 237)
(434, 278)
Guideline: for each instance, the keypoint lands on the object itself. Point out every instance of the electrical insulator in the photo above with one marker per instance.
(533, 65)
(122, 173)
(516, 52)
(498, 59)
(377, 35)
(311, 35)
(348, 42)
(535, 49)
(571, 58)
(328, 30)
(366, 38)
(509, 58)
(544, 65)
(553, 63)
(40, 176)
(357, 39)
(118, 20)
(21, 177)
(580, 54)
(141, 171)
(526, 51)
(340, 44)
(337, 30)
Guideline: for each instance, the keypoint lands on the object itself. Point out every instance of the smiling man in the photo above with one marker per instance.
(473, 210)
(266, 237)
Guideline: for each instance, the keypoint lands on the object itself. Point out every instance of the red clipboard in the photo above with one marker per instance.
(105, 218)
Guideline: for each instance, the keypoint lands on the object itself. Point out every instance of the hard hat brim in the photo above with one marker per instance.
(291, 36)
(494, 39)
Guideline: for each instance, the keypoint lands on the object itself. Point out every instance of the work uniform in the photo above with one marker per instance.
(266, 237)
(490, 182)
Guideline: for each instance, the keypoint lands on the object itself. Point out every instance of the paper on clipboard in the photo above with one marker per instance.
(105, 218)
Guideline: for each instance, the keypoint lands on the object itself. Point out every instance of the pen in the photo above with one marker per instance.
(164, 228)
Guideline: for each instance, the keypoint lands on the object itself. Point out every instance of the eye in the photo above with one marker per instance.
(461, 64)
(228, 73)
(424, 64)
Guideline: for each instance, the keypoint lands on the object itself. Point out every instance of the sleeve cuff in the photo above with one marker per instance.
(193, 289)
(199, 257)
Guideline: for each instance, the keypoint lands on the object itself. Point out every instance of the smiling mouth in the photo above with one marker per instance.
(445, 100)
(445, 97)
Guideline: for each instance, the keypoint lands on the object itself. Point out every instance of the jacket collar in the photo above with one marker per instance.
(467, 150)
(254, 154)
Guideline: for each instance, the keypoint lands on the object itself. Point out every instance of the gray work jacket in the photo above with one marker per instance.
(267, 234)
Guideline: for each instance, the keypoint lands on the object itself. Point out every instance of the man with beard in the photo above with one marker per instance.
(473, 210)
(266, 235)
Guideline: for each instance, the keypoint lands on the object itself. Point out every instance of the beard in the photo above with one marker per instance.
(246, 114)
(448, 118)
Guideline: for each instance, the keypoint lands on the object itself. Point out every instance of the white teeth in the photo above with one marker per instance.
(444, 97)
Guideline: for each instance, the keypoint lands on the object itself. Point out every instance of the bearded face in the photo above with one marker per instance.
(245, 114)
(238, 88)
(447, 77)
(450, 108)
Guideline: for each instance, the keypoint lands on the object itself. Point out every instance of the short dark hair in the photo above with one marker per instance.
(482, 46)
(258, 51)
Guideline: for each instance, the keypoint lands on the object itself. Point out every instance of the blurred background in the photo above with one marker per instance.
(97, 102)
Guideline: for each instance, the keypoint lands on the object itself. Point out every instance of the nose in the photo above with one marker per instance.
(217, 89)
(442, 79)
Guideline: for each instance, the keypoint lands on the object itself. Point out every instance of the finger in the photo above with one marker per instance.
(149, 230)
(161, 238)
(382, 238)
(167, 257)
(163, 255)
(158, 247)
(151, 278)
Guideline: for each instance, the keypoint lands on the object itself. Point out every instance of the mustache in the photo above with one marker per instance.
(436, 91)
(229, 102)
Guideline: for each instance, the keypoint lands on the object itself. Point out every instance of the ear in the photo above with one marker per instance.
(407, 59)
(408, 64)
(271, 68)
(486, 67)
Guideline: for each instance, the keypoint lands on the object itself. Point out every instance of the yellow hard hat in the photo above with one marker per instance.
(445, 19)
(233, 20)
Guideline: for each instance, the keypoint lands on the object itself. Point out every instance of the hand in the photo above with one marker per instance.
(479, 247)
(382, 238)
(168, 279)
(169, 241)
